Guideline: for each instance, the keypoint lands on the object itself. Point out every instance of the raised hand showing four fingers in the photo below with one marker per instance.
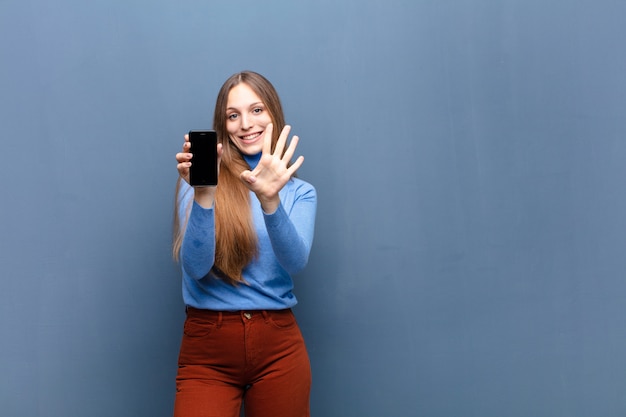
(273, 170)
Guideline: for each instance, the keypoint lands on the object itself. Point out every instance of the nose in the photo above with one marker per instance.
(246, 122)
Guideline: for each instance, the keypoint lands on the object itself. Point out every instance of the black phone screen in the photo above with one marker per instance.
(203, 170)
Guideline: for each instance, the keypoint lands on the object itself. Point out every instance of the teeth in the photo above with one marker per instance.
(252, 136)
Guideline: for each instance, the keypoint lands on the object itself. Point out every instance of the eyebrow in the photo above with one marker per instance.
(258, 103)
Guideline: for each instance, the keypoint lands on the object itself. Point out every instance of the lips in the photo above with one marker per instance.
(251, 137)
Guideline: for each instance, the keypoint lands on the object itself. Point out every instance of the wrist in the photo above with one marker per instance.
(204, 196)
(270, 205)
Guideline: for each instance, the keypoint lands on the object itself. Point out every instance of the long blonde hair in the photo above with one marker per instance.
(235, 237)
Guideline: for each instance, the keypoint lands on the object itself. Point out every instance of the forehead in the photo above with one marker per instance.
(241, 96)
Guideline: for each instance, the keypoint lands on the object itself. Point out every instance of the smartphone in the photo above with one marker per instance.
(203, 170)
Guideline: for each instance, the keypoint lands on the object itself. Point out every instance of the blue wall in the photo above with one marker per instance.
(469, 158)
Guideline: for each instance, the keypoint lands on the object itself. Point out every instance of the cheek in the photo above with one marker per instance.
(233, 139)
(230, 127)
(267, 119)
(233, 142)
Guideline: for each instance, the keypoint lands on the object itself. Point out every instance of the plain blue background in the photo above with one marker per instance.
(469, 158)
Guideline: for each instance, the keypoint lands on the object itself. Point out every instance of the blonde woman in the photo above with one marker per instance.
(238, 244)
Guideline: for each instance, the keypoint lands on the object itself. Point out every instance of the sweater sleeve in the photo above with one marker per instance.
(198, 248)
(291, 232)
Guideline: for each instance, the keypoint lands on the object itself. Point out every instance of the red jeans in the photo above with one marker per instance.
(257, 357)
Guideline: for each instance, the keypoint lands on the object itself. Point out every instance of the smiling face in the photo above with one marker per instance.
(246, 119)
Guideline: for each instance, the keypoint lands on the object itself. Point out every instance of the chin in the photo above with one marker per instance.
(248, 151)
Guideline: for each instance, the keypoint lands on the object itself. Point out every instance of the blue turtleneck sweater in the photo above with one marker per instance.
(284, 242)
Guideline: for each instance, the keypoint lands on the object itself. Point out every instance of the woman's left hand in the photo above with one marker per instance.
(273, 170)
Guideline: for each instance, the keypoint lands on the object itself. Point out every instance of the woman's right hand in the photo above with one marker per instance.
(203, 195)
(184, 160)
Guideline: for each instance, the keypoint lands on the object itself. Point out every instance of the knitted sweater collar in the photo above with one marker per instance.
(252, 160)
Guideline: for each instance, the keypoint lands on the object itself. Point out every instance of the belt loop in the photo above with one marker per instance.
(219, 319)
(266, 315)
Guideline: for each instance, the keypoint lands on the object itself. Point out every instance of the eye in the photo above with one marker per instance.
(257, 110)
(232, 116)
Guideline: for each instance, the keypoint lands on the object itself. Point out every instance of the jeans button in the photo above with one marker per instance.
(247, 315)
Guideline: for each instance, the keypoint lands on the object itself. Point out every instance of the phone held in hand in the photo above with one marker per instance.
(203, 170)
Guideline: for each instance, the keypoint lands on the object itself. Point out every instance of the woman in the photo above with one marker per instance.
(238, 244)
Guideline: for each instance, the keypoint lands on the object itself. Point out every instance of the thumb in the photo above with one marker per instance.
(247, 176)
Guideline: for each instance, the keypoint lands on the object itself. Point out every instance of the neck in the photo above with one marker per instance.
(252, 160)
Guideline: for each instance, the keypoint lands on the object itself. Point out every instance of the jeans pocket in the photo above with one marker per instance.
(197, 341)
(196, 327)
(282, 319)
